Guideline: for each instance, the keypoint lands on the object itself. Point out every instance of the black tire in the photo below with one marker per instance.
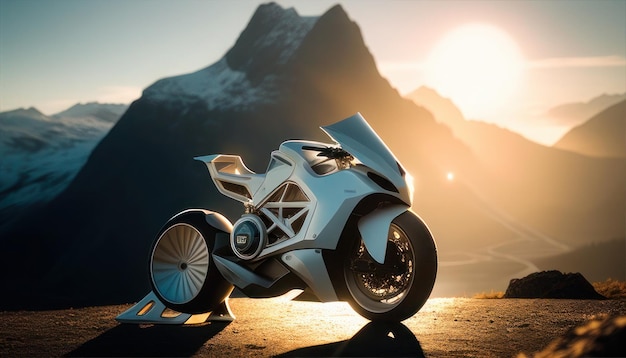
(397, 289)
(182, 273)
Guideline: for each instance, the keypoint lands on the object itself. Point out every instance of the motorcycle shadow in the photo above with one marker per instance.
(375, 339)
(130, 340)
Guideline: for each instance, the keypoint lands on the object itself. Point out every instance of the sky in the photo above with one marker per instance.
(54, 54)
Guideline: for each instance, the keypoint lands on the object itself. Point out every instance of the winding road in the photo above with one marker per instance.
(527, 244)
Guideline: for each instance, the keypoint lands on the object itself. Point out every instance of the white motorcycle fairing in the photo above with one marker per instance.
(341, 191)
(356, 136)
(312, 196)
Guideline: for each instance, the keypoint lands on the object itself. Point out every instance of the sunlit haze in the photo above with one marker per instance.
(479, 66)
(506, 62)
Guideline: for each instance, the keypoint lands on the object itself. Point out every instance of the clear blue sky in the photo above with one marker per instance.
(56, 53)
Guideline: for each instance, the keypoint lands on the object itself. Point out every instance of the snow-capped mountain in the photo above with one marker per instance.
(91, 113)
(248, 74)
(41, 154)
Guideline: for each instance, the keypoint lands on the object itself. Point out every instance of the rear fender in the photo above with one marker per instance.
(374, 228)
(218, 221)
(214, 219)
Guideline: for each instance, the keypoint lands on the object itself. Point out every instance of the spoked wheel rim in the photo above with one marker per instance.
(179, 264)
(380, 288)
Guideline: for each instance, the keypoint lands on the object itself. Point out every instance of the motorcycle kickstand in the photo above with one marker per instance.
(150, 310)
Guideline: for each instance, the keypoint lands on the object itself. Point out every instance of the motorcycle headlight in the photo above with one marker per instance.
(410, 185)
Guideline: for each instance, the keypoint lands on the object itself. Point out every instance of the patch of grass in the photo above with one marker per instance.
(610, 288)
(489, 295)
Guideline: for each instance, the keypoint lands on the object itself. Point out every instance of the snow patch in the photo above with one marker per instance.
(223, 88)
(217, 85)
(40, 155)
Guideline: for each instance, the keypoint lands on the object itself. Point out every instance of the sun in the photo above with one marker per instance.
(478, 66)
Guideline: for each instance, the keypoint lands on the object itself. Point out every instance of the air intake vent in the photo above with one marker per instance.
(382, 182)
(236, 188)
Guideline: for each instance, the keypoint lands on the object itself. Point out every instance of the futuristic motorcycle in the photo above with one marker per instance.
(330, 219)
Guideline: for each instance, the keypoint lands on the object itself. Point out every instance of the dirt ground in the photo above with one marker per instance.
(444, 327)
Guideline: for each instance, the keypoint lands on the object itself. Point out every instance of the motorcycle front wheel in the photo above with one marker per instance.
(398, 288)
(182, 272)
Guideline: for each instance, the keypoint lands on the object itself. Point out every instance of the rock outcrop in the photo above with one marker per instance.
(552, 284)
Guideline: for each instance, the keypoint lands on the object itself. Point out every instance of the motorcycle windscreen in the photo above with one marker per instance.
(356, 137)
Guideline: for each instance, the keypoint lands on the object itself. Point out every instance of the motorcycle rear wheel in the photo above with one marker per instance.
(182, 272)
(398, 288)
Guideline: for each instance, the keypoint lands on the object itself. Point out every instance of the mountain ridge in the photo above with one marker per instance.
(246, 74)
(41, 154)
(521, 168)
(603, 135)
(576, 113)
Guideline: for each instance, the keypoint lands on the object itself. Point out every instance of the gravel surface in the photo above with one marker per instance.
(444, 327)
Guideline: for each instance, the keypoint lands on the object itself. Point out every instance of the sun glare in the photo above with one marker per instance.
(450, 176)
(478, 66)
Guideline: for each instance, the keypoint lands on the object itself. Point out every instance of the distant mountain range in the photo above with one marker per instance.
(41, 154)
(573, 114)
(578, 180)
(604, 135)
(284, 77)
(599, 133)
(534, 182)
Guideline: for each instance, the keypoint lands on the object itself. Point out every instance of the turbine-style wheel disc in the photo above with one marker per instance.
(180, 263)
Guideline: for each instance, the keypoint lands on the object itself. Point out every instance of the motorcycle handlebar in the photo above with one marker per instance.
(328, 152)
